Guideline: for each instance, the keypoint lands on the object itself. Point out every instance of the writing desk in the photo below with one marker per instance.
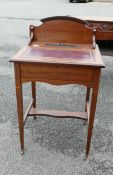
(59, 63)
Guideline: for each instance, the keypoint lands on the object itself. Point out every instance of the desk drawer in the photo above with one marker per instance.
(57, 74)
(100, 35)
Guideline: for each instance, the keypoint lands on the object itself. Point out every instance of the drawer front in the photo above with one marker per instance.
(101, 35)
(56, 74)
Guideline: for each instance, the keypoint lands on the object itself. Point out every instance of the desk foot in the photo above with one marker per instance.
(22, 151)
(84, 122)
(85, 157)
(34, 117)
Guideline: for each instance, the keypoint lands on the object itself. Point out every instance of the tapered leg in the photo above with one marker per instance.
(33, 84)
(19, 98)
(20, 115)
(87, 97)
(92, 110)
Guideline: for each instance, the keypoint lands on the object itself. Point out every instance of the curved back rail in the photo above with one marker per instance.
(62, 29)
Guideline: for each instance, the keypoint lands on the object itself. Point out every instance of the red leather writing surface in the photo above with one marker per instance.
(73, 54)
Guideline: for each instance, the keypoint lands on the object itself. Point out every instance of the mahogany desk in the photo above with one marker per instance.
(58, 65)
(103, 26)
(62, 50)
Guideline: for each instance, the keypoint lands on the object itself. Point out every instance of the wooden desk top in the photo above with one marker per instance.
(97, 18)
(68, 54)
